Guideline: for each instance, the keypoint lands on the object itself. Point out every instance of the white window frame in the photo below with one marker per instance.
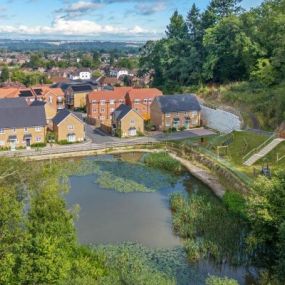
(102, 102)
(2, 143)
(25, 130)
(2, 131)
(70, 127)
(112, 102)
(38, 139)
(167, 115)
(38, 129)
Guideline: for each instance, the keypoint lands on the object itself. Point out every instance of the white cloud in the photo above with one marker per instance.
(61, 26)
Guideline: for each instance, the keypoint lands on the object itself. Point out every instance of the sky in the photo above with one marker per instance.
(93, 19)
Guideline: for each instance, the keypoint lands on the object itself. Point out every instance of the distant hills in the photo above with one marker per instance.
(61, 45)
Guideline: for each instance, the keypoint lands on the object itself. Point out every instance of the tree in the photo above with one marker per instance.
(5, 74)
(230, 53)
(177, 29)
(193, 21)
(224, 8)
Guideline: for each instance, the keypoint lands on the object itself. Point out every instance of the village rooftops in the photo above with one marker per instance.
(117, 93)
(178, 103)
(13, 103)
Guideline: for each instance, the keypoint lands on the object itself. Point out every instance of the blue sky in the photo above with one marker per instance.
(92, 19)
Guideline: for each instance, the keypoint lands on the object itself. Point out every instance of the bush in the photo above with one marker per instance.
(235, 203)
(64, 142)
(182, 128)
(36, 145)
(140, 134)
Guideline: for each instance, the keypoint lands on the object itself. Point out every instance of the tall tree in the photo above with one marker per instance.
(177, 29)
(193, 21)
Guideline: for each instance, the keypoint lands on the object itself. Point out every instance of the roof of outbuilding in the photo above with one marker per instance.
(178, 103)
(121, 112)
(21, 116)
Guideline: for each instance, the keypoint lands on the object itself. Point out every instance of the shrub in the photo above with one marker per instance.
(182, 128)
(235, 202)
(140, 134)
(37, 145)
(64, 142)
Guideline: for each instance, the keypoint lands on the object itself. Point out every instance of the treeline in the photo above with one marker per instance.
(222, 44)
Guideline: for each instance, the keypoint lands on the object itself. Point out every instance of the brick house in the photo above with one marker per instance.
(175, 111)
(101, 104)
(140, 99)
(21, 125)
(68, 127)
(127, 122)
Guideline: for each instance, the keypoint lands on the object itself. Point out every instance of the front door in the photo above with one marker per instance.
(132, 132)
(28, 142)
(13, 144)
(71, 138)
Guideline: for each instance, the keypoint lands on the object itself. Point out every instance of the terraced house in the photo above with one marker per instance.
(75, 95)
(21, 125)
(181, 111)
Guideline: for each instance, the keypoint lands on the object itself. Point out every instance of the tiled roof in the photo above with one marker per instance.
(81, 88)
(118, 93)
(13, 103)
(9, 92)
(121, 111)
(12, 116)
(178, 103)
(142, 93)
(60, 116)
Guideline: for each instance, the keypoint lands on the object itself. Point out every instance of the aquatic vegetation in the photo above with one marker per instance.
(162, 160)
(107, 180)
(114, 174)
(209, 229)
(214, 280)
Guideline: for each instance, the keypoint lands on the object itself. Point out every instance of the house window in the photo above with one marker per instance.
(112, 110)
(102, 110)
(121, 101)
(177, 114)
(38, 139)
(137, 101)
(132, 123)
(70, 127)
(2, 131)
(167, 115)
(102, 102)
(145, 100)
(50, 99)
(94, 110)
(102, 117)
(14, 130)
(25, 130)
(167, 124)
(94, 101)
(185, 113)
(38, 129)
(112, 102)
(2, 143)
(194, 113)
(149, 100)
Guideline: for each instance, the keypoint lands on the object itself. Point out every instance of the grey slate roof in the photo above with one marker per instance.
(60, 116)
(178, 103)
(121, 111)
(81, 88)
(13, 103)
(38, 103)
(21, 116)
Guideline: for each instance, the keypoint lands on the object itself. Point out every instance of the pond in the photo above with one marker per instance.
(111, 213)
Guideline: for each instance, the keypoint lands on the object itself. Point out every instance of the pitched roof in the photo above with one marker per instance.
(118, 93)
(178, 103)
(13, 103)
(142, 93)
(81, 88)
(9, 92)
(61, 115)
(16, 116)
(37, 103)
(121, 112)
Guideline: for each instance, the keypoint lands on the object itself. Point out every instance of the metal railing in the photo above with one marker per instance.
(258, 148)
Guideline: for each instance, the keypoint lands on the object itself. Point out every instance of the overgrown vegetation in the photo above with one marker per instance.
(162, 160)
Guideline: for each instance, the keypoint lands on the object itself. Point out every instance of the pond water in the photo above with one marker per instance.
(107, 216)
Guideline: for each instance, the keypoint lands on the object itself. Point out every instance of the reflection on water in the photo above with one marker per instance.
(110, 217)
